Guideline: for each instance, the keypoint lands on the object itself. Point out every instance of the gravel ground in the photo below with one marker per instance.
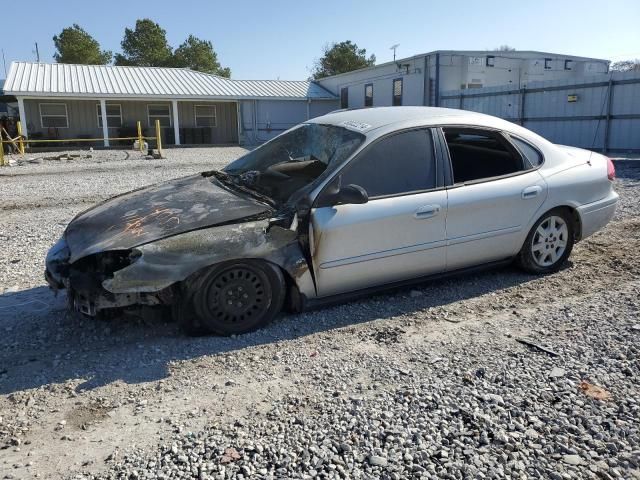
(429, 382)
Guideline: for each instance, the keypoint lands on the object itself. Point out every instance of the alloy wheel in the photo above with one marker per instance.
(549, 241)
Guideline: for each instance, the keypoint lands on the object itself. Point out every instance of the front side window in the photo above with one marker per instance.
(205, 115)
(547, 63)
(395, 165)
(478, 154)
(114, 115)
(54, 115)
(344, 97)
(159, 112)
(368, 95)
(294, 159)
(397, 92)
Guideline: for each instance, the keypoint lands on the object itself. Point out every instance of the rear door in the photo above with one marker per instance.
(399, 233)
(495, 194)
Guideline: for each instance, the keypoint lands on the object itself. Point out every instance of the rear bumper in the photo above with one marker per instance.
(594, 216)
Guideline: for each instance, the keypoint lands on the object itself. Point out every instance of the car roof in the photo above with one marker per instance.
(368, 119)
(376, 122)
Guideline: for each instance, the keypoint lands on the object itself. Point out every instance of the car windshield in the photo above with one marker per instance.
(294, 159)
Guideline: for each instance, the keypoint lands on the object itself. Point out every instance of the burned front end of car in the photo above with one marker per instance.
(143, 248)
(84, 280)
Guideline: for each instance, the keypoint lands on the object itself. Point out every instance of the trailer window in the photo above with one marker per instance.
(397, 92)
(344, 97)
(368, 95)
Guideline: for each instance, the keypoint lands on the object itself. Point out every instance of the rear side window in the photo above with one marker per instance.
(478, 154)
(395, 165)
(531, 154)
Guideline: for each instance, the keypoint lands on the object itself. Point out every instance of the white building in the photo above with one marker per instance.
(419, 80)
(59, 101)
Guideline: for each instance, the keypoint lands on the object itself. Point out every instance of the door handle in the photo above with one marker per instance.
(427, 211)
(531, 192)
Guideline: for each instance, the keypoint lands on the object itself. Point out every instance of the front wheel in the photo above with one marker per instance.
(232, 298)
(548, 244)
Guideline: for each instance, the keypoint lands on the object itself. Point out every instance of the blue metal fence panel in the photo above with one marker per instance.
(599, 112)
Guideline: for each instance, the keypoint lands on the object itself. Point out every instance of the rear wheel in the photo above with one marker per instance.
(232, 298)
(549, 243)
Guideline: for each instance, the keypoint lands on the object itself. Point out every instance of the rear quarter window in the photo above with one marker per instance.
(529, 152)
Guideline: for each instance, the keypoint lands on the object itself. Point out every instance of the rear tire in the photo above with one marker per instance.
(231, 298)
(548, 244)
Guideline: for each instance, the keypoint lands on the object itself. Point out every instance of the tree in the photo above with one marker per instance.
(504, 48)
(340, 58)
(199, 55)
(626, 66)
(146, 46)
(74, 45)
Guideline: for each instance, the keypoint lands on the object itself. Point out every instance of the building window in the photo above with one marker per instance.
(368, 95)
(397, 92)
(114, 115)
(344, 97)
(54, 115)
(205, 115)
(568, 64)
(159, 112)
(547, 64)
(491, 61)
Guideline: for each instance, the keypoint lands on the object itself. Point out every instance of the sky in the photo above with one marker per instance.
(282, 38)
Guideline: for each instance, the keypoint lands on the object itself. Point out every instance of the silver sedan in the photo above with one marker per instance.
(341, 205)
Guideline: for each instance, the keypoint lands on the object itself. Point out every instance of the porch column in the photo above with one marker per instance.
(176, 122)
(105, 127)
(23, 118)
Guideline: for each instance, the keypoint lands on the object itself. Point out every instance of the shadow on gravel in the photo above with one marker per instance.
(41, 343)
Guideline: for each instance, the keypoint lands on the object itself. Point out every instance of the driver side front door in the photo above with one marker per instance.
(398, 234)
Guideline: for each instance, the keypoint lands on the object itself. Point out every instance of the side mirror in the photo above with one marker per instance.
(350, 194)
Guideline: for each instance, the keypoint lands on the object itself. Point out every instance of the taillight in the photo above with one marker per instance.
(611, 169)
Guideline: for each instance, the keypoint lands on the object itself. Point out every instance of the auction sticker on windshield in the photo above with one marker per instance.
(356, 125)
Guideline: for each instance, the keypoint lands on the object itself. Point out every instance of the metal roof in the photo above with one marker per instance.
(63, 80)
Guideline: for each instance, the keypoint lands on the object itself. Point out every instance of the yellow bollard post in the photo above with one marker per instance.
(158, 138)
(140, 145)
(20, 141)
(1, 151)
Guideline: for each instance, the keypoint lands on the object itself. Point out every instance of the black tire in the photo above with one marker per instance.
(183, 314)
(546, 253)
(231, 298)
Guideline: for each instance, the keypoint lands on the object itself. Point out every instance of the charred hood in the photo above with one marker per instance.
(157, 212)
